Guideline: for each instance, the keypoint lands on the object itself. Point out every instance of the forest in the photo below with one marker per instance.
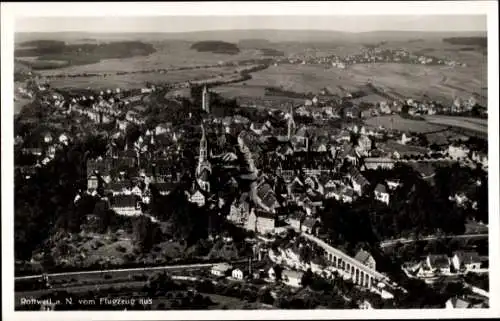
(218, 47)
(56, 54)
(475, 41)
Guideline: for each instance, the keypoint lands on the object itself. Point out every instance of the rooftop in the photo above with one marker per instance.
(381, 188)
(468, 257)
(363, 256)
(439, 260)
(292, 274)
(124, 200)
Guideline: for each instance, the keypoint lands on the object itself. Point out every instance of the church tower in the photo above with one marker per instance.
(203, 169)
(291, 123)
(205, 100)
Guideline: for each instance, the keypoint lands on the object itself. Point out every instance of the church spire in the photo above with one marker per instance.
(291, 123)
(204, 168)
(203, 145)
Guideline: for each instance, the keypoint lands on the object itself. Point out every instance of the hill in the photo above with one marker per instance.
(218, 47)
(473, 41)
(48, 54)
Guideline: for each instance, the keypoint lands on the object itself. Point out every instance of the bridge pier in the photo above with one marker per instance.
(358, 275)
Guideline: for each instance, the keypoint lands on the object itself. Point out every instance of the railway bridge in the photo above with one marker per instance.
(361, 274)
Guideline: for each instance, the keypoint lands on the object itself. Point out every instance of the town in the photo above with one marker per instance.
(289, 179)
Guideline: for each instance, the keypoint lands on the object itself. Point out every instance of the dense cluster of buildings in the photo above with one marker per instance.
(292, 170)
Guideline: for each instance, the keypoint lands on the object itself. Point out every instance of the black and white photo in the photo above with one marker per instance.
(262, 162)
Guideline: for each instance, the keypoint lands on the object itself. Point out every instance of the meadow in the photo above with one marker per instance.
(403, 124)
(437, 82)
(136, 80)
(169, 54)
(473, 124)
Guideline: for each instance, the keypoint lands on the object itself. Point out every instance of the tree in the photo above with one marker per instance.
(307, 278)
(278, 270)
(132, 133)
(146, 233)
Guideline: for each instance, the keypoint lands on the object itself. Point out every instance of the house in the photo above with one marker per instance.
(358, 181)
(381, 194)
(101, 167)
(378, 162)
(366, 259)
(122, 124)
(47, 138)
(161, 129)
(300, 140)
(92, 183)
(164, 188)
(465, 303)
(220, 269)
(261, 222)
(63, 139)
(404, 139)
(119, 188)
(257, 275)
(460, 199)
(425, 172)
(295, 219)
(364, 145)
(309, 226)
(126, 204)
(438, 263)
(238, 274)
(331, 192)
(33, 151)
(292, 278)
(365, 305)
(393, 183)
(458, 152)
(481, 158)
(240, 210)
(198, 198)
(284, 150)
(266, 197)
(469, 261)
(347, 195)
(296, 187)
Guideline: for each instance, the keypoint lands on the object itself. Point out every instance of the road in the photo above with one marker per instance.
(429, 238)
(111, 271)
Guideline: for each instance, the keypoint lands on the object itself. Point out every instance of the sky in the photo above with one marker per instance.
(198, 23)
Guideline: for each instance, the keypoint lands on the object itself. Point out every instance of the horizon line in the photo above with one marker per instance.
(263, 29)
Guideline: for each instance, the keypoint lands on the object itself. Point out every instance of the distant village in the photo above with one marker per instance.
(371, 55)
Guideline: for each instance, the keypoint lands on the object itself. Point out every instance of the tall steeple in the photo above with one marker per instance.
(291, 123)
(205, 100)
(203, 145)
(204, 168)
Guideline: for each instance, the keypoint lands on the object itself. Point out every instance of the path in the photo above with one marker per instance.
(429, 238)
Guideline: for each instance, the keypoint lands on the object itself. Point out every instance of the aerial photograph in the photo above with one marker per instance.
(250, 163)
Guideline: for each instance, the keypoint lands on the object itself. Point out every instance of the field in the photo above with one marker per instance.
(437, 82)
(474, 124)
(139, 79)
(403, 124)
(170, 54)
